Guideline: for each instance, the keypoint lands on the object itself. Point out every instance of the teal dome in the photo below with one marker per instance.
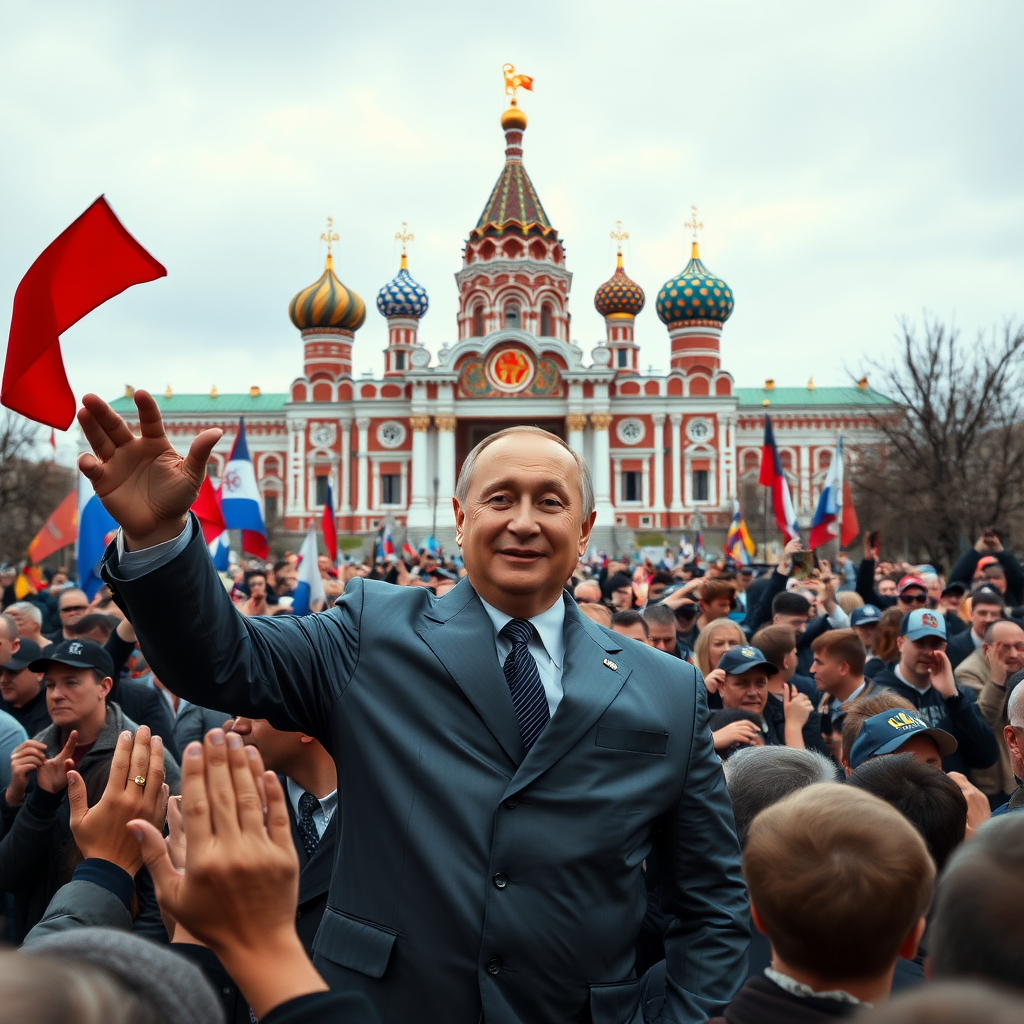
(402, 296)
(695, 294)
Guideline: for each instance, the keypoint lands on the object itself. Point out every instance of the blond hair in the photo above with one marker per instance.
(701, 657)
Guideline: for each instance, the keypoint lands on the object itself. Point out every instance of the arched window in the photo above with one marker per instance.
(478, 321)
(399, 360)
(545, 321)
(512, 314)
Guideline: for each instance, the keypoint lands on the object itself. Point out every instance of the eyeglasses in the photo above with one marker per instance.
(914, 598)
(74, 608)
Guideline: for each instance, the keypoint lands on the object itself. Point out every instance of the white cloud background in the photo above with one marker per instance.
(852, 164)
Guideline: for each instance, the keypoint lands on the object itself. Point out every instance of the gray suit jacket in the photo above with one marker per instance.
(472, 879)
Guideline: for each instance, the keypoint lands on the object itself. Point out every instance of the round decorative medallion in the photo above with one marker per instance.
(322, 435)
(601, 355)
(699, 431)
(419, 358)
(390, 434)
(511, 370)
(630, 431)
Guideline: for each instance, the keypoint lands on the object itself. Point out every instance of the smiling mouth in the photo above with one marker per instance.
(520, 555)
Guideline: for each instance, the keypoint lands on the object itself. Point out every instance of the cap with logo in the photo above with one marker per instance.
(922, 622)
(738, 660)
(911, 581)
(76, 654)
(887, 732)
(865, 616)
(27, 652)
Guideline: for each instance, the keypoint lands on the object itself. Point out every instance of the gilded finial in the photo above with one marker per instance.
(329, 236)
(214, 392)
(620, 236)
(862, 384)
(129, 391)
(694, 225)
(769, 384)
(405, 236)
(168, 393)
(514, 81)
(810, 384)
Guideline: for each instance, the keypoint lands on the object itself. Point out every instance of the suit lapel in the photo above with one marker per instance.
(593, 672)
(315, 875)
(461, 635)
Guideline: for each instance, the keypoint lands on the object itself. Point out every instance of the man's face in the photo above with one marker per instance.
(1014, 737)
(278, 749)
(686, 616)
(911, 598)
(919, 655)
(743, 580)
(718, 608)
(934, 590)
(887, 588)
(797, 623)
(866, 634)
(923, 749)
(258, 587)
(522, 527)
(827, 671)
(622, 599)
(983, 615)
(73, 604)
(73, 694)
(587, 592)
(26, 626)
(950, 603)
(997, 581)
(323, 563)
(748, 691)
(1008, 645)
(18, 688)
(636, 632)
(663, 636)
(8, 644)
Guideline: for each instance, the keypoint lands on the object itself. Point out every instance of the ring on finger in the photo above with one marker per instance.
(139, 780)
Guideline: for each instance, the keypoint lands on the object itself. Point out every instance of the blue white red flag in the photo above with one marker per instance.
(387, 544)
(408, 553)
(829, 513)
(240, 498)
(96, 527)
(309, 589)
(220, 552)
(330, 526)
(773, 476)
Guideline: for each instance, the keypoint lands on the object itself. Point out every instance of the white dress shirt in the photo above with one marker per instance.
(324, 810)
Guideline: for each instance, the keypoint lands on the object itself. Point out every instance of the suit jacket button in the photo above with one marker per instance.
(511, 802)
(493, 965)
(500, 880)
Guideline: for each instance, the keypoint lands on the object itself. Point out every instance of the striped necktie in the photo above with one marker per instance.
(524, 683)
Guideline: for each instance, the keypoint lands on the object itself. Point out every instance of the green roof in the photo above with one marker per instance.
(228, 404)
(807, 396)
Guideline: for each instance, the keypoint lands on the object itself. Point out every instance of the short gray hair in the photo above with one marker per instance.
(8, 626)
(1015, 707)
(27, 608)
(586, 484)
(660, 614)
(758, 777)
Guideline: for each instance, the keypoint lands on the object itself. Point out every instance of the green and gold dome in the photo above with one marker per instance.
(695, 294)
(620, 295)
(327, 304)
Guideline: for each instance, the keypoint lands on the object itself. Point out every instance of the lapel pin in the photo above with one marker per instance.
(611, 664)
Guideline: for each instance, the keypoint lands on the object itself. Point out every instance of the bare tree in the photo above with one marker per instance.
(953, 457)
(30, 488)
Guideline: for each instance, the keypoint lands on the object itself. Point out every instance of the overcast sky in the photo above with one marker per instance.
(852, 164)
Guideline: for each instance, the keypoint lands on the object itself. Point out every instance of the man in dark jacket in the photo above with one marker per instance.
(989, 546)
(925, 677)
(986, 608)
(21, 690)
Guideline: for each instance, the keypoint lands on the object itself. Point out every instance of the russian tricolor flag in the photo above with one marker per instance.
(95, 528)
(830, 520)
(330, 527)
(309, 590)
(773, 476)
(240, 498)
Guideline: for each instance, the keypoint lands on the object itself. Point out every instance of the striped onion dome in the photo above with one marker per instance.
(327, 303)
(402, 296)
(695, 294)
(620, 295)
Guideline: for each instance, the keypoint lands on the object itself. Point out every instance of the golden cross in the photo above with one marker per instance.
(404, 236)
(694, 224)
(329, 236)
(619, 235)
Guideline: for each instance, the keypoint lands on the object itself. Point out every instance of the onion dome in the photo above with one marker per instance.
(402, 296)
(327, 303)
(695, 294)
(620, 295)
(513, 119)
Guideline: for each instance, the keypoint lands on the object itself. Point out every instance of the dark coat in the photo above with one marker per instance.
(34, 716)
(761, 1001)
(963, 572)
(471, 876)
(960, 647)
(193, 723)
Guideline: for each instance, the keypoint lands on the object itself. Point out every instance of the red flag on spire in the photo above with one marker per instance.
(89, 262)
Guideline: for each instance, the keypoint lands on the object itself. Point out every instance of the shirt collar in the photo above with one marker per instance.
(853, 696)
(328, 804)
(549, 625)
(799, 989)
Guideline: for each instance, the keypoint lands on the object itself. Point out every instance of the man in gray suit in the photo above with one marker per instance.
(505, 765)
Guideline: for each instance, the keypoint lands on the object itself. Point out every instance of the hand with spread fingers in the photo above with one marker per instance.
(52, 773)
(239, 889)
(142, 481)
(135, 789)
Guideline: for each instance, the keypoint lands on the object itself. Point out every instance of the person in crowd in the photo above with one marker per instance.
(960, 1002)
(721, 636)
(95, 626)
(864, 622)
(258, 602)
(849, 601)
(34, 851)
(950, 599)
(744, 577)
(838, 672)
(657, 585)
(620, 592)
(12, 735)
(632, 624)
(924, 676)
(839, 882)
(716, 598)
(976, 930)
(734, 729)
(22, 694)
(29, 620)
(1013, 735)
(986, 672)
(778, 645)
(9, 638)
(885, 650)
(72, 604)
(388, 671)
(599, 613)
(986, 608)
(661, 629)
(988, 549)
(587, 591)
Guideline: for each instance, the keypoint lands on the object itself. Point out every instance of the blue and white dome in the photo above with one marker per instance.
(402, 296)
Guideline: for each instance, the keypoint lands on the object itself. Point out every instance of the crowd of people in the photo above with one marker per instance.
(738, 793)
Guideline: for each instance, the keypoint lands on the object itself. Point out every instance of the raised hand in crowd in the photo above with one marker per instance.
(988, 543)
(793, 547)
(239, 889)
(101, 831)
(686, 594)
(940, 673)
(978, 808)
(797, 708)
(872, 546)
(743, 731)
(714, 679)
(51, 773)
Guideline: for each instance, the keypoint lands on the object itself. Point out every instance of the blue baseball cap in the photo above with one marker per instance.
(865, 616)
(738, 660)
(887, 732)
(922, 622)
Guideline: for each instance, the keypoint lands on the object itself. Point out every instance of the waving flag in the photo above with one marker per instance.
(309, 590)
(240, 498)
(96, 526)
(330, 526)
(686, 552)
(738, 545)
(829, 513)
(773, 476)
(208, 511)
(220, 552)
(386, 541)
(58, 531)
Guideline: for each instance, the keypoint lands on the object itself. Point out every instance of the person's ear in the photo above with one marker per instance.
(303, 738)
(460, 520)
(588, 525)
(908, 947)
(105, 684)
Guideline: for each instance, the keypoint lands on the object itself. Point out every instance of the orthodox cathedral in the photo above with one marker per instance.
(667, 452)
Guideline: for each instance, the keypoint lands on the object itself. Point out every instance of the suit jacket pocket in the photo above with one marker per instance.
(351, 942)
(632, 739)
(615, 1003)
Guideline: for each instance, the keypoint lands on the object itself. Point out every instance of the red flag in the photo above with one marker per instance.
(208, 512)
(60, 530)
(89, 262)
(850, 527)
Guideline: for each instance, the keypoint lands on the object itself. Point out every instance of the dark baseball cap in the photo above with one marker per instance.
(76, 654)
(887, 732)
(27, 652)
(954, 589)
(738, 660)
(865, 616)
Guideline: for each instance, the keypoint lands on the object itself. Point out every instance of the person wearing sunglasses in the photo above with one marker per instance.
(911, 593)
(72, 605)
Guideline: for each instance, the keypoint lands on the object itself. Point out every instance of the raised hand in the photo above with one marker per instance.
(52, 774)
(735, 732)
(142, 481)
(941, 674)
(25, 759)
(714, 679)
